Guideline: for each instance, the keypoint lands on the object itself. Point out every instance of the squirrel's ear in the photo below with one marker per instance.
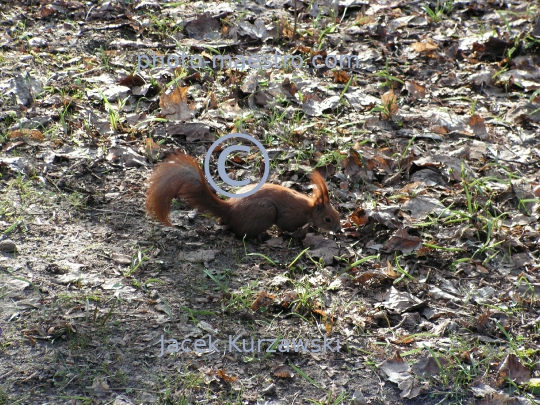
(320, 191)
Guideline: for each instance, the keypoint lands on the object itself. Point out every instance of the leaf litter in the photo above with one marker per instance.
(428, 139)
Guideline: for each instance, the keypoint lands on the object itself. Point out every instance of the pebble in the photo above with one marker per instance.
(271, 389)
(37, 42)
(7, 246)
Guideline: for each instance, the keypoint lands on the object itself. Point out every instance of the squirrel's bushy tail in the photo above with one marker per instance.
(180, 176)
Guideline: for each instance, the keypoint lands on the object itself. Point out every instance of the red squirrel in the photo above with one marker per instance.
(180, 176)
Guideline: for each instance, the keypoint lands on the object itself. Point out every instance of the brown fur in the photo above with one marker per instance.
(180, 176)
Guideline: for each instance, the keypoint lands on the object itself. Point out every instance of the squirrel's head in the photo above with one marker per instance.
(324, 215)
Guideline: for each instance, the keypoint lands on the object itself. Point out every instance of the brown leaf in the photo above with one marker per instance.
(131, 81)
(415, 90)
(263, 300)
(175, 105)
(389, 100)
(33, 134)
(221, 374)
(283, 371)
(403, 340)
(211, 101)
(289, 86)
(478, 126)
(289, 298)
(44, 11)
(318, 61)
(359, 217)
(352, 163)
(481, 269)
(424, 47)
(402, 241)
(286, 29)
(424, 251)
(438, 129)
(302, 49)
(390, 272)
(341, 76)
(381, 162)
(320, 312)
(512, 369)
(365, 277)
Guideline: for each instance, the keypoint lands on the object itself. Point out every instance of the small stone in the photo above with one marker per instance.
(122, 400)
(358, 398)
(270, 390)
(7, 246)
(37, 42)
(246, 315)
(121, 259)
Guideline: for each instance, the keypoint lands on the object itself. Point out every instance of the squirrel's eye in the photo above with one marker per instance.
(327, 219)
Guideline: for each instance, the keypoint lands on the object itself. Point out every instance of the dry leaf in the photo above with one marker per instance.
(211, 101)
(221, 374)
(175, 105)
(415, 90)
(402, 241)
(512, 369)
(283, 371)
(289, 298)
(132, 81)
(359, 217)
(33, 134)
(478, 126)
(289, 87)
(341, 76)
(424, 47)
(389, 100)
(352, 163)
(263, 300)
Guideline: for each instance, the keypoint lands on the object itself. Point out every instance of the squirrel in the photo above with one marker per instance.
(180, 176)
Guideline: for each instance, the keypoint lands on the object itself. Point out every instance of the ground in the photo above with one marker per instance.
(423, 118)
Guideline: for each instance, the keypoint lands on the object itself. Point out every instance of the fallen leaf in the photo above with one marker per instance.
(175, 106)
(33, 134)
(427, 366)
(341, 76)
(415, 90)
(263, 300)
(512, 369)
(478, 126)
(283, 371)
(402, 241)
(389, 100)
(321, 247)
(424, 47)
(221, 374)
(203, 26)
